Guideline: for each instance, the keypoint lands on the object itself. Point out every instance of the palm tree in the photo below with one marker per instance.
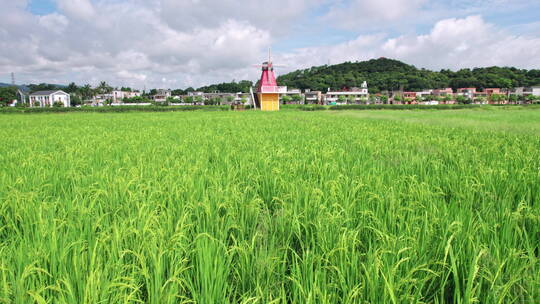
(103, 88)
(86, 92)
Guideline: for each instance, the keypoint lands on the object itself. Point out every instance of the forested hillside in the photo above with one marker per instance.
(232, 87)
(387, 74)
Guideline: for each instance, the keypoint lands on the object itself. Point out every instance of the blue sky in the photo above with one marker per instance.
(171, 43)
(42, 7)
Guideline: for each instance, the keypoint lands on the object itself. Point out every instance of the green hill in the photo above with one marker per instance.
(35, 87)
(388, 74)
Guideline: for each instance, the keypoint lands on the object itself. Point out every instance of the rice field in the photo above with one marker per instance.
(287, 207)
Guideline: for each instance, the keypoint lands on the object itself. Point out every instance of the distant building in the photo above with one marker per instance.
(352, 94)
(491, 91)
(21, 97)
(161, 95)
(485, 95)
(49, 98)
(424, 93)
(466, 92)
(117, 96)
(243, 96)
(524, 91)
(224, 98)
(443, 92)
(409, 95)
(130, 94)
(196, 93)
(284, 91)
(480, 94)
(313, 97)
(535, 91)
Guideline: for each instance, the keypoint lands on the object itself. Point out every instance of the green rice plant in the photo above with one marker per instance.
(285, 207)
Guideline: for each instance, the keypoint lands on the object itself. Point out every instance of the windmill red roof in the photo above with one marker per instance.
(268, 79)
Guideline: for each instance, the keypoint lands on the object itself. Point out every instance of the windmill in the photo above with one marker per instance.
(267, 95)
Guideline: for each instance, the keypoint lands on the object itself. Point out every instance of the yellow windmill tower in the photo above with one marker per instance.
(268, 90)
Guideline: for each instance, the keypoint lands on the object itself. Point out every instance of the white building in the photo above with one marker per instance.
(424, 93)
(21, 98)
(162, 95)
(225, 98)
(49, 98)
(118, 96)
(352, 95)
(313, 96)
(284, 91)
(535, 91)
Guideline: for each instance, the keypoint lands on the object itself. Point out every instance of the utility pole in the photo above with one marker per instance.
(12, 79)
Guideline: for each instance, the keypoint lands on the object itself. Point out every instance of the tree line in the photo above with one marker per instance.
(392, 75)
(381, 74)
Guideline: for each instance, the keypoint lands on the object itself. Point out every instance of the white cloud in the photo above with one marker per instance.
(451, 43)
(161, 43)
(54, 23)
(275, 16)
(81, 9)
(126, 43)
(407, 15)
(363, 47)
(467, 42)
(356, 14)
(128, 75)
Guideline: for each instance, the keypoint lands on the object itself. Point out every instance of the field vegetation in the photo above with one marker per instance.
(286, 207)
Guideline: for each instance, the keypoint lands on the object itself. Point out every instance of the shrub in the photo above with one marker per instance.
(114, 109)
(404, 107)
(137, 99)
(312, 108)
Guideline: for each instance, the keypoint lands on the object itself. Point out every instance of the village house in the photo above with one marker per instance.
(484, 95)
(313, 96)
(443, 92)
(426, 97)
(21, 98)
(424, 93)
(477, 95)
(351, 95)
(288, 92)
(491, 91)
(243, 97)
(224, 98)
(466, 92)
(49, 98)
(195, 93)
(161, 95)
(524, 91)
(117, 96)
(409, 95)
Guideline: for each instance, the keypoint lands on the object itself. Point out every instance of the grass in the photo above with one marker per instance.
(514, 119)
(287, 207)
